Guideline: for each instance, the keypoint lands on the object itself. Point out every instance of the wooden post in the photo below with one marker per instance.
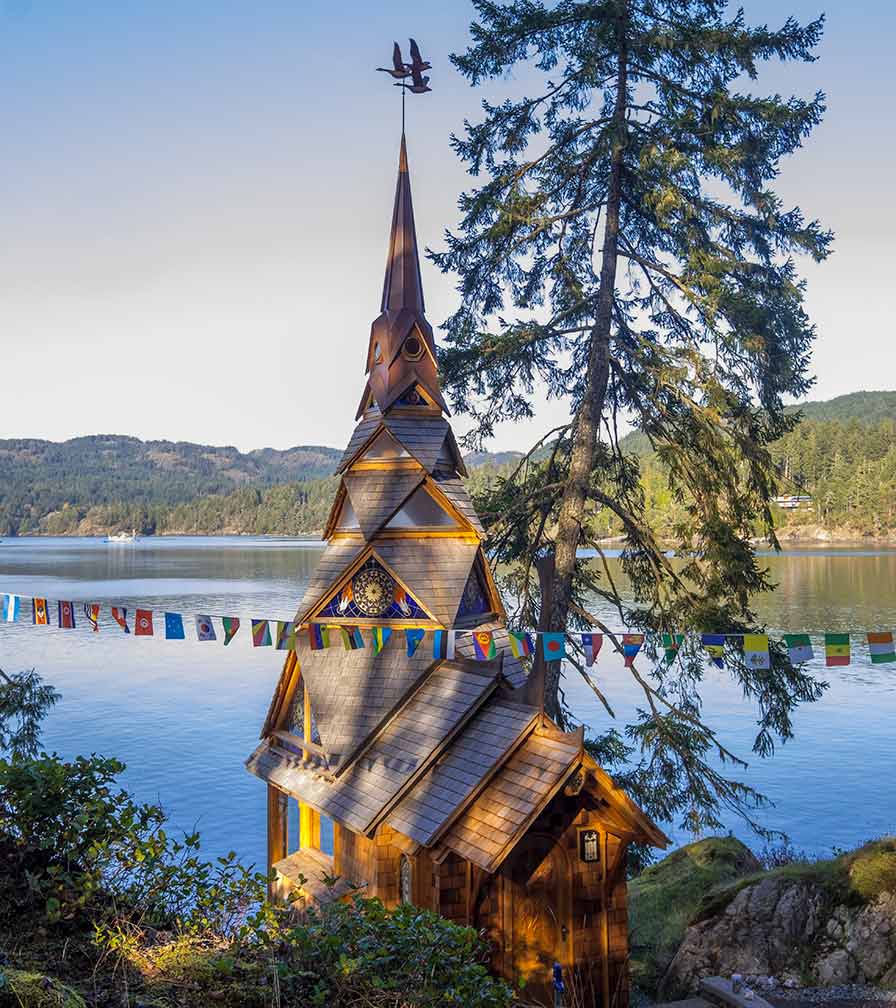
(605, 915)
(309, 821)
(278, 836)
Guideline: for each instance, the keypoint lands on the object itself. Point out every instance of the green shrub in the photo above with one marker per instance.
(346, 954)
(872, 869)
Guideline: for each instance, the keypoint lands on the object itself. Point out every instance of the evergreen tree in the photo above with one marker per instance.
(627, 250)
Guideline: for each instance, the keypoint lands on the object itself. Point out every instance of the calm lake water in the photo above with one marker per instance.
(183, 715)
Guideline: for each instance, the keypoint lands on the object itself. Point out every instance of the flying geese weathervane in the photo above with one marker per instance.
(401, 71)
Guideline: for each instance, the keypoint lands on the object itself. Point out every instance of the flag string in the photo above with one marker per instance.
(756, 648)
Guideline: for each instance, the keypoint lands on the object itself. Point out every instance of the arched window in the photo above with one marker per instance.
(405, 879)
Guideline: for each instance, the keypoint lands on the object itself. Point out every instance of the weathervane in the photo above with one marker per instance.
(401, 70)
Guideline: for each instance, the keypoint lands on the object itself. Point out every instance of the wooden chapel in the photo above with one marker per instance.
(446, 785)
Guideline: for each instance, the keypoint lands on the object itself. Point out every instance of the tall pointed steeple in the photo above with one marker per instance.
(401, 356)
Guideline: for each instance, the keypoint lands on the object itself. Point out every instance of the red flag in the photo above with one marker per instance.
(66, 615)
(121, 618)
(143, 623)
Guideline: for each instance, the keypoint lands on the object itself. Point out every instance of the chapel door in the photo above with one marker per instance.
(538, 887)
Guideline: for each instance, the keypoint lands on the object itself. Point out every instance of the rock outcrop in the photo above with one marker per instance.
(802, 931)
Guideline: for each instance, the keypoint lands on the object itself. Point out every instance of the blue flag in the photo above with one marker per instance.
(413, 638)
(10, 608)
(174, 626)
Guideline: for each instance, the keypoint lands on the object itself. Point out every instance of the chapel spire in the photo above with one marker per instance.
(401, 360)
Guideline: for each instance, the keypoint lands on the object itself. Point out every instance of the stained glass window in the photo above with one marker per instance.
(474, 601)
(375, 594)
(406, 880)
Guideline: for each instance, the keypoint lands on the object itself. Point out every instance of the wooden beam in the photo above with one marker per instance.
(278, 839)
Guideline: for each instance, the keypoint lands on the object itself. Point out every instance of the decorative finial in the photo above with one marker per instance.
(401, 70)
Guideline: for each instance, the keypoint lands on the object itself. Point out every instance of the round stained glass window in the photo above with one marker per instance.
(373, 591)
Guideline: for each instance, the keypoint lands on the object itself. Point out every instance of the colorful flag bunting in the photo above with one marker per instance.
(318, 637)
(121, 618)
(351, 638)
(799, 647)
(231, 626)
(379, 635)
(205, 628)
(520, 644)
(261, 633)
(591, 645)
(92, 612)
(484, 645)
(553, 646)
(10, 608)
(443, 644)
(286, 636)
(881, 647)
(174, 626)
(631, 645)
(671, 646)
(836, 649)
(756, 653)
(39, 614)
(714, 645)
(66, 615)
(143, 623)
(412, 639)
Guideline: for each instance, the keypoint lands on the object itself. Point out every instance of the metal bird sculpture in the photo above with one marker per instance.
(420, 85)
(417, 62)
(399, 68)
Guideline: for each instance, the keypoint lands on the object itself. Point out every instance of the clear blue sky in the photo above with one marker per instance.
(194, 199)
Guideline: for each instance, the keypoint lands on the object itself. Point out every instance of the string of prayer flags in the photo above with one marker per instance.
(351, 638)
(261, 633)
(174, 626)
(66, 615)
(520, 643)
(9, 608)
(671, 646)
(881, 647)
(412, 639)
(379, 635)
(39, 614)
(836, 649)
(756, 652)
(231, 627)
(553, 646)
(205, 628)
(92, 612)
(631, 645)
(799, 648)
(443, 644)
(714, 646)
(591, 645)
(121, 618)
(286, 635)
(143, 623)
(484, 645)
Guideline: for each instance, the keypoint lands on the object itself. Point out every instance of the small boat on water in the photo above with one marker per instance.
(122, 537)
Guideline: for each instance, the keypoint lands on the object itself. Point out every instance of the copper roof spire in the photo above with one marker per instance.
(401, 355)
(402, 286)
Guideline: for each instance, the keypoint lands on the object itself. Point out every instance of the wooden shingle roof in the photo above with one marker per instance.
(376, 495)
(434, 570)
(353, 692)
(397, 756)
(487, 831)
(453, 488)
(422, 436)
(483, 744)
(336, 558)
(361, 435)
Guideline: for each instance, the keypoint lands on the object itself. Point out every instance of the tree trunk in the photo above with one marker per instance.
(586, 425)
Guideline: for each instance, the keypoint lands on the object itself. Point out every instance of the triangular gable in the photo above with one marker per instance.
(383, 448)
(415, 396)
(376, 494)
(371, 593)
(422, 436)
(422, 511)
(475, 600)
(342, 515)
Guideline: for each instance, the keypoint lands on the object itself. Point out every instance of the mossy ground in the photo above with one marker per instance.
(664, 898)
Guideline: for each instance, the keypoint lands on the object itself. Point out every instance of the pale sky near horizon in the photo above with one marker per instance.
(195, 199)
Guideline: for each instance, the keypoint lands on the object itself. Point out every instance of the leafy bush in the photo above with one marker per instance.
(872, 869)
(346, 954)
(84, 846)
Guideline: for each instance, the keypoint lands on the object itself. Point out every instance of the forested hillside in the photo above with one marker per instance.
(843, 455)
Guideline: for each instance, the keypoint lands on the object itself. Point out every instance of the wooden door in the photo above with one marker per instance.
(538, 888)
